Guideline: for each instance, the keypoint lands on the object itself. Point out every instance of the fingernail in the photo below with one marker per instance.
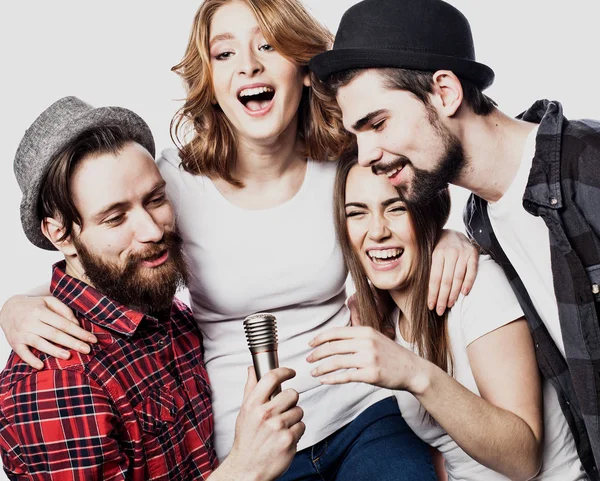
(92, 339)
(65, 355)
(313, 372)
(39, 366)
(85, 348)
(451, 303)
(311, 343)
(309, 358)
(431, 305)
(466, 291)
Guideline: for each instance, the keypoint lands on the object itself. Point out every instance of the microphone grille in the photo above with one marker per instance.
(261, 329)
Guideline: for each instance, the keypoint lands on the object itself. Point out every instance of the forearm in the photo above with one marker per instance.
(494, 437)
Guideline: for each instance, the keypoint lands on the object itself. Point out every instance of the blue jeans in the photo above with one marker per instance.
(377, 446)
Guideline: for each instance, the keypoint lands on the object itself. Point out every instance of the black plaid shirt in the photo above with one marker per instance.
(563, 189)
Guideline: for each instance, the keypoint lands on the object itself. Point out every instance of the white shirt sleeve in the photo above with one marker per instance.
(490, 305)
(169, 166)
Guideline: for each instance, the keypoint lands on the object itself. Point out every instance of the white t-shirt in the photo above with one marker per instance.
(525, 240)
(284, 260)
(490, 305)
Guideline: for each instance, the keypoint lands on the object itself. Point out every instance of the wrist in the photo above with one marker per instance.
(422, 377)
(233, 469)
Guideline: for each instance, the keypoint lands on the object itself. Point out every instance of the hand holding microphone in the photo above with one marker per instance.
(261, 334)
(263, 447)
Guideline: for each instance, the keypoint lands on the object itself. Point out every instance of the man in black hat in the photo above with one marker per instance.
(405, 77)
(137, 406)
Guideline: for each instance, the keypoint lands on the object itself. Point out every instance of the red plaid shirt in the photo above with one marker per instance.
(137, 407)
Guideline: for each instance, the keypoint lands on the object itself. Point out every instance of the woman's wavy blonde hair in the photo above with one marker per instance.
(204, 135)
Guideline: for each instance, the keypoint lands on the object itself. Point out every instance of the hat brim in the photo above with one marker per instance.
(337, 60)
(56, 141)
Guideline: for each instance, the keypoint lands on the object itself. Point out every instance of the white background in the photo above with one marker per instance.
(119, 52)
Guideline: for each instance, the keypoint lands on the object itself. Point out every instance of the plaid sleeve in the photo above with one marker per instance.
(59, 425)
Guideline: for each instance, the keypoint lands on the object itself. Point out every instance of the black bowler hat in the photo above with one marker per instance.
(412, 34)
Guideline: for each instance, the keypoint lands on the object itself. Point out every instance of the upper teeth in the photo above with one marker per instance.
(255, 91)
(391, 173)
(385, 254)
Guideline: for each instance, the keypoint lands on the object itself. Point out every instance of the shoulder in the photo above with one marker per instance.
(327, 168)
(169, 159)
(17, 370)
(490, 304)
(581, 144)
(322, 176)
(583, 130)
(171, 167)
(22, 387)
(180, 312)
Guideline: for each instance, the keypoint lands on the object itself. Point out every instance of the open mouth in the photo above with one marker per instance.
(393, 172)
(157, 259)
(390, 169)
(256, 98)
(384, 256)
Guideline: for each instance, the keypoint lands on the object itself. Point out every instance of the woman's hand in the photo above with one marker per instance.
(368, 356)
(453, 270)
(356, 321)
(41, 322)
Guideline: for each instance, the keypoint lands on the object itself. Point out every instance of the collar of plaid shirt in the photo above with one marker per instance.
(93, 305)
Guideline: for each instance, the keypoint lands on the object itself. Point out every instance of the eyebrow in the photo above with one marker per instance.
(360, 124)
(125, 205)
(385, 203)
(229, 36)
(159, 186)
(110, 208)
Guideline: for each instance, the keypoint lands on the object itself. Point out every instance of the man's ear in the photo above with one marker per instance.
(54, 229)
(448, 90)
(306, 77)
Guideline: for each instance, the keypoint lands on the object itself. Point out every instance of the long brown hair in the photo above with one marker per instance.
(211, 148)
(429, 331)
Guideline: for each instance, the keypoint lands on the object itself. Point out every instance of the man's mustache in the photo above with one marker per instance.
(397, 163)
(170, 240)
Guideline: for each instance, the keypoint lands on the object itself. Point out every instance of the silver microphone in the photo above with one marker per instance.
(261, 334)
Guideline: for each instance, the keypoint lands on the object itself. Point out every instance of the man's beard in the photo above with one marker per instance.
(426, 184)
(146, 289)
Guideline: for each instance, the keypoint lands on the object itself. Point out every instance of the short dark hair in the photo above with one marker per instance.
(419, 83)
(56, 198)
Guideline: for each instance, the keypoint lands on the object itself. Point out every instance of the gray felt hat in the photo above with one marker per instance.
(56, 127)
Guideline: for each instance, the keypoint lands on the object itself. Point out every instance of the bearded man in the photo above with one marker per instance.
(137, 406)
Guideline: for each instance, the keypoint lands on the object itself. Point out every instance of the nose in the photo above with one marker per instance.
(368, 152)
(378, 228)
(249, 64)
(147, 229)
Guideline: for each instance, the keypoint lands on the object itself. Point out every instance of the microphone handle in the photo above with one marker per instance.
(265, 361)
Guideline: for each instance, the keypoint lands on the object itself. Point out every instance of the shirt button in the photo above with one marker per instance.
(161, 342)
(554, 201)
(595, 289)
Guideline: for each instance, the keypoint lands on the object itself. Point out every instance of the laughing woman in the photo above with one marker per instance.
(256, 216)
(467, 381)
